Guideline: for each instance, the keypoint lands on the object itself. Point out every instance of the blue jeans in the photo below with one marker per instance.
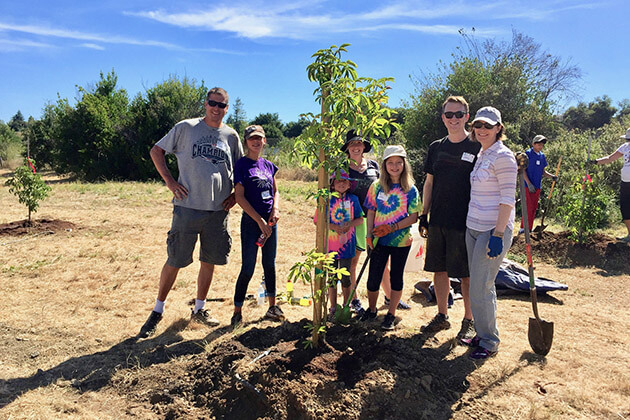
(483, 294)
(249, 251)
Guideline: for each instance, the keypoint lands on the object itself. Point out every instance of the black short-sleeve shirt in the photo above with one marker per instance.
(450, 164)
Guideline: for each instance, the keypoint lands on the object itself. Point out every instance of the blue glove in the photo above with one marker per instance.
(495, 246)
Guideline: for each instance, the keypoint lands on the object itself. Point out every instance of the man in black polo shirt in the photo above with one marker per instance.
(446, 194)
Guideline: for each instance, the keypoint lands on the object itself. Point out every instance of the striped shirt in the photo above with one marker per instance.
(492, 182)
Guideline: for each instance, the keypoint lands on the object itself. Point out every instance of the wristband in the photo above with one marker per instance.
(498, 234)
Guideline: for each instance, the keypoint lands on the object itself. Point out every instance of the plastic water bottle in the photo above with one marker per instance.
(261, 240)
(289, 289)
(261, 293)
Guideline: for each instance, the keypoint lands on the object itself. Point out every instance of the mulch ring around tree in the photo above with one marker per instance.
(268, 373)
(37, 227)
(598, 250)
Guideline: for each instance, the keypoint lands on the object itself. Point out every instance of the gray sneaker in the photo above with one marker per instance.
(202, 316)
(275, 313)
(467, 331)
(438, 323)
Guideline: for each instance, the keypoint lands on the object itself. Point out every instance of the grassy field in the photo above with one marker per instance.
(71, 299)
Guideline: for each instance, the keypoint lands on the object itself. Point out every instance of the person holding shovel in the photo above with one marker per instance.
(393, 205)
(624, 187)
(445, 198)
(257, 194)
(206, 150)
(489, 225)
(534, 174)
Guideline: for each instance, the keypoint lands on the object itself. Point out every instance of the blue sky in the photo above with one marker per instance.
(258, 50)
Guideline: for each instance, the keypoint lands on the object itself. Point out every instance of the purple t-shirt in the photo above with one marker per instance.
(256, 176)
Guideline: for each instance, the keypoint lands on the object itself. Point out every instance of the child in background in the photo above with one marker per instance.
(393, 206)
(345, 215)
(256, 192)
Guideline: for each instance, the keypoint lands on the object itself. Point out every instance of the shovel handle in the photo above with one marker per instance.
(553, 184)
(354, 289)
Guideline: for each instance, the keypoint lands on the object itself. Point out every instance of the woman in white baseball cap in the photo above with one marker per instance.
(624, 187)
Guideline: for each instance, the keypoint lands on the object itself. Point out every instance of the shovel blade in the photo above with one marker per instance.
(343, 314)
(540, 334)
(540, 228)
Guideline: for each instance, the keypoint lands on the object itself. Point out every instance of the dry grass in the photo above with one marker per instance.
(77, 293)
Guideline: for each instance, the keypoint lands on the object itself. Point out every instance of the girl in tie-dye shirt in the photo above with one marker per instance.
(393, 206)
(345, 215)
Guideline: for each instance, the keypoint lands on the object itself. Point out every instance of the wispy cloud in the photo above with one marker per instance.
(12, 45)
(51, 32)
(304, 21)
(93, 46)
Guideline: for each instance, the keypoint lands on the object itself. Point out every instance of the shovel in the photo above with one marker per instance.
(542, 225)
(343, 314)
(540, 333)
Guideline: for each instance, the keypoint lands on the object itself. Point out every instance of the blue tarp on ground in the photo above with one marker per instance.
(511, 278)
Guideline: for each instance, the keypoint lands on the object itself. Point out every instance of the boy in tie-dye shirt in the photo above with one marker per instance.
(345, 214)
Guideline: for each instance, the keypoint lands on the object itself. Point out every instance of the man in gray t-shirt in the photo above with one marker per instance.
(206, 151)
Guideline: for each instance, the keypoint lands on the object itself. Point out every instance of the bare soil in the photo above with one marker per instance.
(78, 285)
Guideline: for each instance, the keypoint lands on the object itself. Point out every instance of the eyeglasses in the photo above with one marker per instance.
(212, 103)
(458, 114)
(487, 126)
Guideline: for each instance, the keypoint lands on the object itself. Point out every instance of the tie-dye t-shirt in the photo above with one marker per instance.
(343, 210)
(390, 208)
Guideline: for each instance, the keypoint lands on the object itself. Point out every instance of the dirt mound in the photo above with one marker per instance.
(267, 373)
(598, 250)
(41, 226)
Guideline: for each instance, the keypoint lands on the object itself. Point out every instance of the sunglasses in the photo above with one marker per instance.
(212, 103)
(458, 114)
(479, 124)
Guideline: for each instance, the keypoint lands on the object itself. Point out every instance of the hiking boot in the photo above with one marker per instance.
(625, 239)
(237, 320)
(148, 329)
(355, 305)
(467, 331)
(438, 323)
(274, 313)
(481, 353)
(401, 304)
(388, 322)
(202, 316)
(368, 315)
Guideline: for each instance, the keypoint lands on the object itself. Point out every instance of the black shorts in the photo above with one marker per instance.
(446, 251)
(624, 200)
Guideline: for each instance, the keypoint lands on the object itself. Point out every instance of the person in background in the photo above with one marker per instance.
(206, 150)
(393, 205)
(533, 176)
(257, 194)
(624, 186)
(489, 225)
(365, 172)
(445, 198)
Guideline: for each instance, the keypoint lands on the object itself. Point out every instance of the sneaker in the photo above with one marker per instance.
(438, 323)
(331, 314)
(388, 322)
(625, 239)
(467, 331)
(401, 304)
(471, 342)
(148, 329)
(481, 353)
(521, 231)
(202, 316)
(368, 315)
(355, 305)
(275, 313)
(237, 320)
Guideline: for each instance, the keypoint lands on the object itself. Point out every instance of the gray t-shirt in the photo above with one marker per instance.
(205, 159)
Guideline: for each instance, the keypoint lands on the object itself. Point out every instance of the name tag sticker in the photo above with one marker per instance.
(371, 172)
(484, 165)
(538, 162)
(265, 195)
(468, 157)
(382, 196)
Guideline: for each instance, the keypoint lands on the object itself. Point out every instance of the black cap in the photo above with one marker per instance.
(353, 135)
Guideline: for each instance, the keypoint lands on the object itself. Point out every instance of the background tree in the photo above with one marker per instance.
(593, 115)
(17, 123)
(520, 79)
(293, 129)
(238, 117)
(10, 143)
(274, 128)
